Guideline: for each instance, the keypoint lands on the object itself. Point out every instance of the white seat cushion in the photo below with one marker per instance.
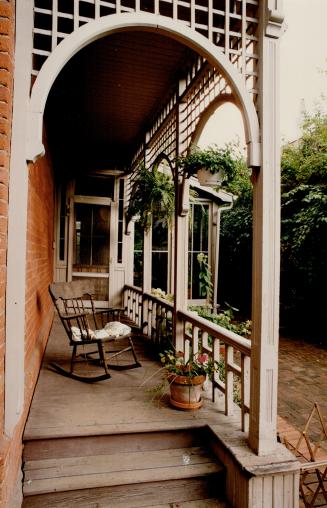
(114, 329)
(117, 329)
(76, 334)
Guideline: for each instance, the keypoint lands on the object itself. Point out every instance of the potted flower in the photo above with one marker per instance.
(213, 165)
(186, 377)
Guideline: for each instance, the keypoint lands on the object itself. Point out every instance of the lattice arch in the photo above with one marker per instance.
(112, 24)
(231, 25)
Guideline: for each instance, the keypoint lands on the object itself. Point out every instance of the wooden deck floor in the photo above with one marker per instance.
(64, 407)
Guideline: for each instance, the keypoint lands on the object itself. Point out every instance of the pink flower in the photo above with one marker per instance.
(202, 358)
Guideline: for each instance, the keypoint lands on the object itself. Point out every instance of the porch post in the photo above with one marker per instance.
(181, 234)
(266, 242)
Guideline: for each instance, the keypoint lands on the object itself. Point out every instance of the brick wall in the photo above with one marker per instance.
(39, 267)
(38, 313)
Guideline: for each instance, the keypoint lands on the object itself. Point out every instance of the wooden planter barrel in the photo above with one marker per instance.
(185, 391)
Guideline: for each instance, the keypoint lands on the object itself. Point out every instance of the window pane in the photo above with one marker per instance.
(159, 235)
(159, 270)
(198, 242)
(91, 235)
(138, 255)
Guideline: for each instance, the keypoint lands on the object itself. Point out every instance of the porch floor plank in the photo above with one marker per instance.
(64, 407)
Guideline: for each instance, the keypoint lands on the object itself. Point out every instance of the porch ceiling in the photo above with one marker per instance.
(106, 95)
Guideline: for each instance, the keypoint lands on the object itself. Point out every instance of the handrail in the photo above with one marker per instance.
(159, 300)
(230, 352)
(232, 339)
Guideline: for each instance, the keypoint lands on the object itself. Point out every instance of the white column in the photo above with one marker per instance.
(266, 247)
(181, 241)
(17, 220)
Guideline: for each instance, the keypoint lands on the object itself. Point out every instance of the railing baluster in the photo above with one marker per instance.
(245, 391)
(195, 340)
(216, 358)
(229, 378)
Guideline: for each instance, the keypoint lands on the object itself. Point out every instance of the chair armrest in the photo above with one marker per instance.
(109, 310)
(66, 317)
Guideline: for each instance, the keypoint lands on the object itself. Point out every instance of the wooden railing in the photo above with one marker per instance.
(153, 315)
(231, 352)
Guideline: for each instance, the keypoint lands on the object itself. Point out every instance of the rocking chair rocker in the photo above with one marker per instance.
(86, 326)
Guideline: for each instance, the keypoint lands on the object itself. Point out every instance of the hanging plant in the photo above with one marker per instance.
(217, 161)
(152, 194)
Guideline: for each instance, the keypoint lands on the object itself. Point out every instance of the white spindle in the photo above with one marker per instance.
(229, 378)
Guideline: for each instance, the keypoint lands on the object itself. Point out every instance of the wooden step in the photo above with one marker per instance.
(94, 471)
(184, 493)
(115, 443)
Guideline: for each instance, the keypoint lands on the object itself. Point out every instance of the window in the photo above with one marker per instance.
(138, 255)
(91, 236)
(120, 221)
(101, 186)
(160, 254)
(62, 224)
(198, 243)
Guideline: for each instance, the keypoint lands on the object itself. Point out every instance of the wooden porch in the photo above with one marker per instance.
(110, 444)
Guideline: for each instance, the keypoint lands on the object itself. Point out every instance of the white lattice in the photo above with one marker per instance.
(230, 24)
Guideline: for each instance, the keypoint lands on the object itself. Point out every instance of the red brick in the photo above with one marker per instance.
(4, 126)
(4, 162)
(4, 142)
(5, 75)
(6, 8)
(5, 94)
(5, 26)
(6, 61)
(6, 44)
(5, 111)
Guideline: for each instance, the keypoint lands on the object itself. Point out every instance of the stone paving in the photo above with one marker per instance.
(302, 380)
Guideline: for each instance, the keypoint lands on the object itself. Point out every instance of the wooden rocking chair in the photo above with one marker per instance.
(86, 326)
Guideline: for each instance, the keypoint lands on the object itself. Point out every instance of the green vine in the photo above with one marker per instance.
(213, 159)
(152, 193)
(205, 277)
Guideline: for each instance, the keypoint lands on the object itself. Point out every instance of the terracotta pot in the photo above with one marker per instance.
(185, 391)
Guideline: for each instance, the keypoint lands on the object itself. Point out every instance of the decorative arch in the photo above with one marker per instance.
(209, 111)
(143, 22)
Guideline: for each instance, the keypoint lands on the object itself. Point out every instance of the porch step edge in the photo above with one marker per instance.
(200, 492)
(53, 475)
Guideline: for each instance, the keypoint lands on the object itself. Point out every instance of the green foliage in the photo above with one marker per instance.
(213, 159)
(226, 319)
(160, 293)
(235, 263)
(198, 364)
(153, 193)
(205, 277)
(304, 227)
